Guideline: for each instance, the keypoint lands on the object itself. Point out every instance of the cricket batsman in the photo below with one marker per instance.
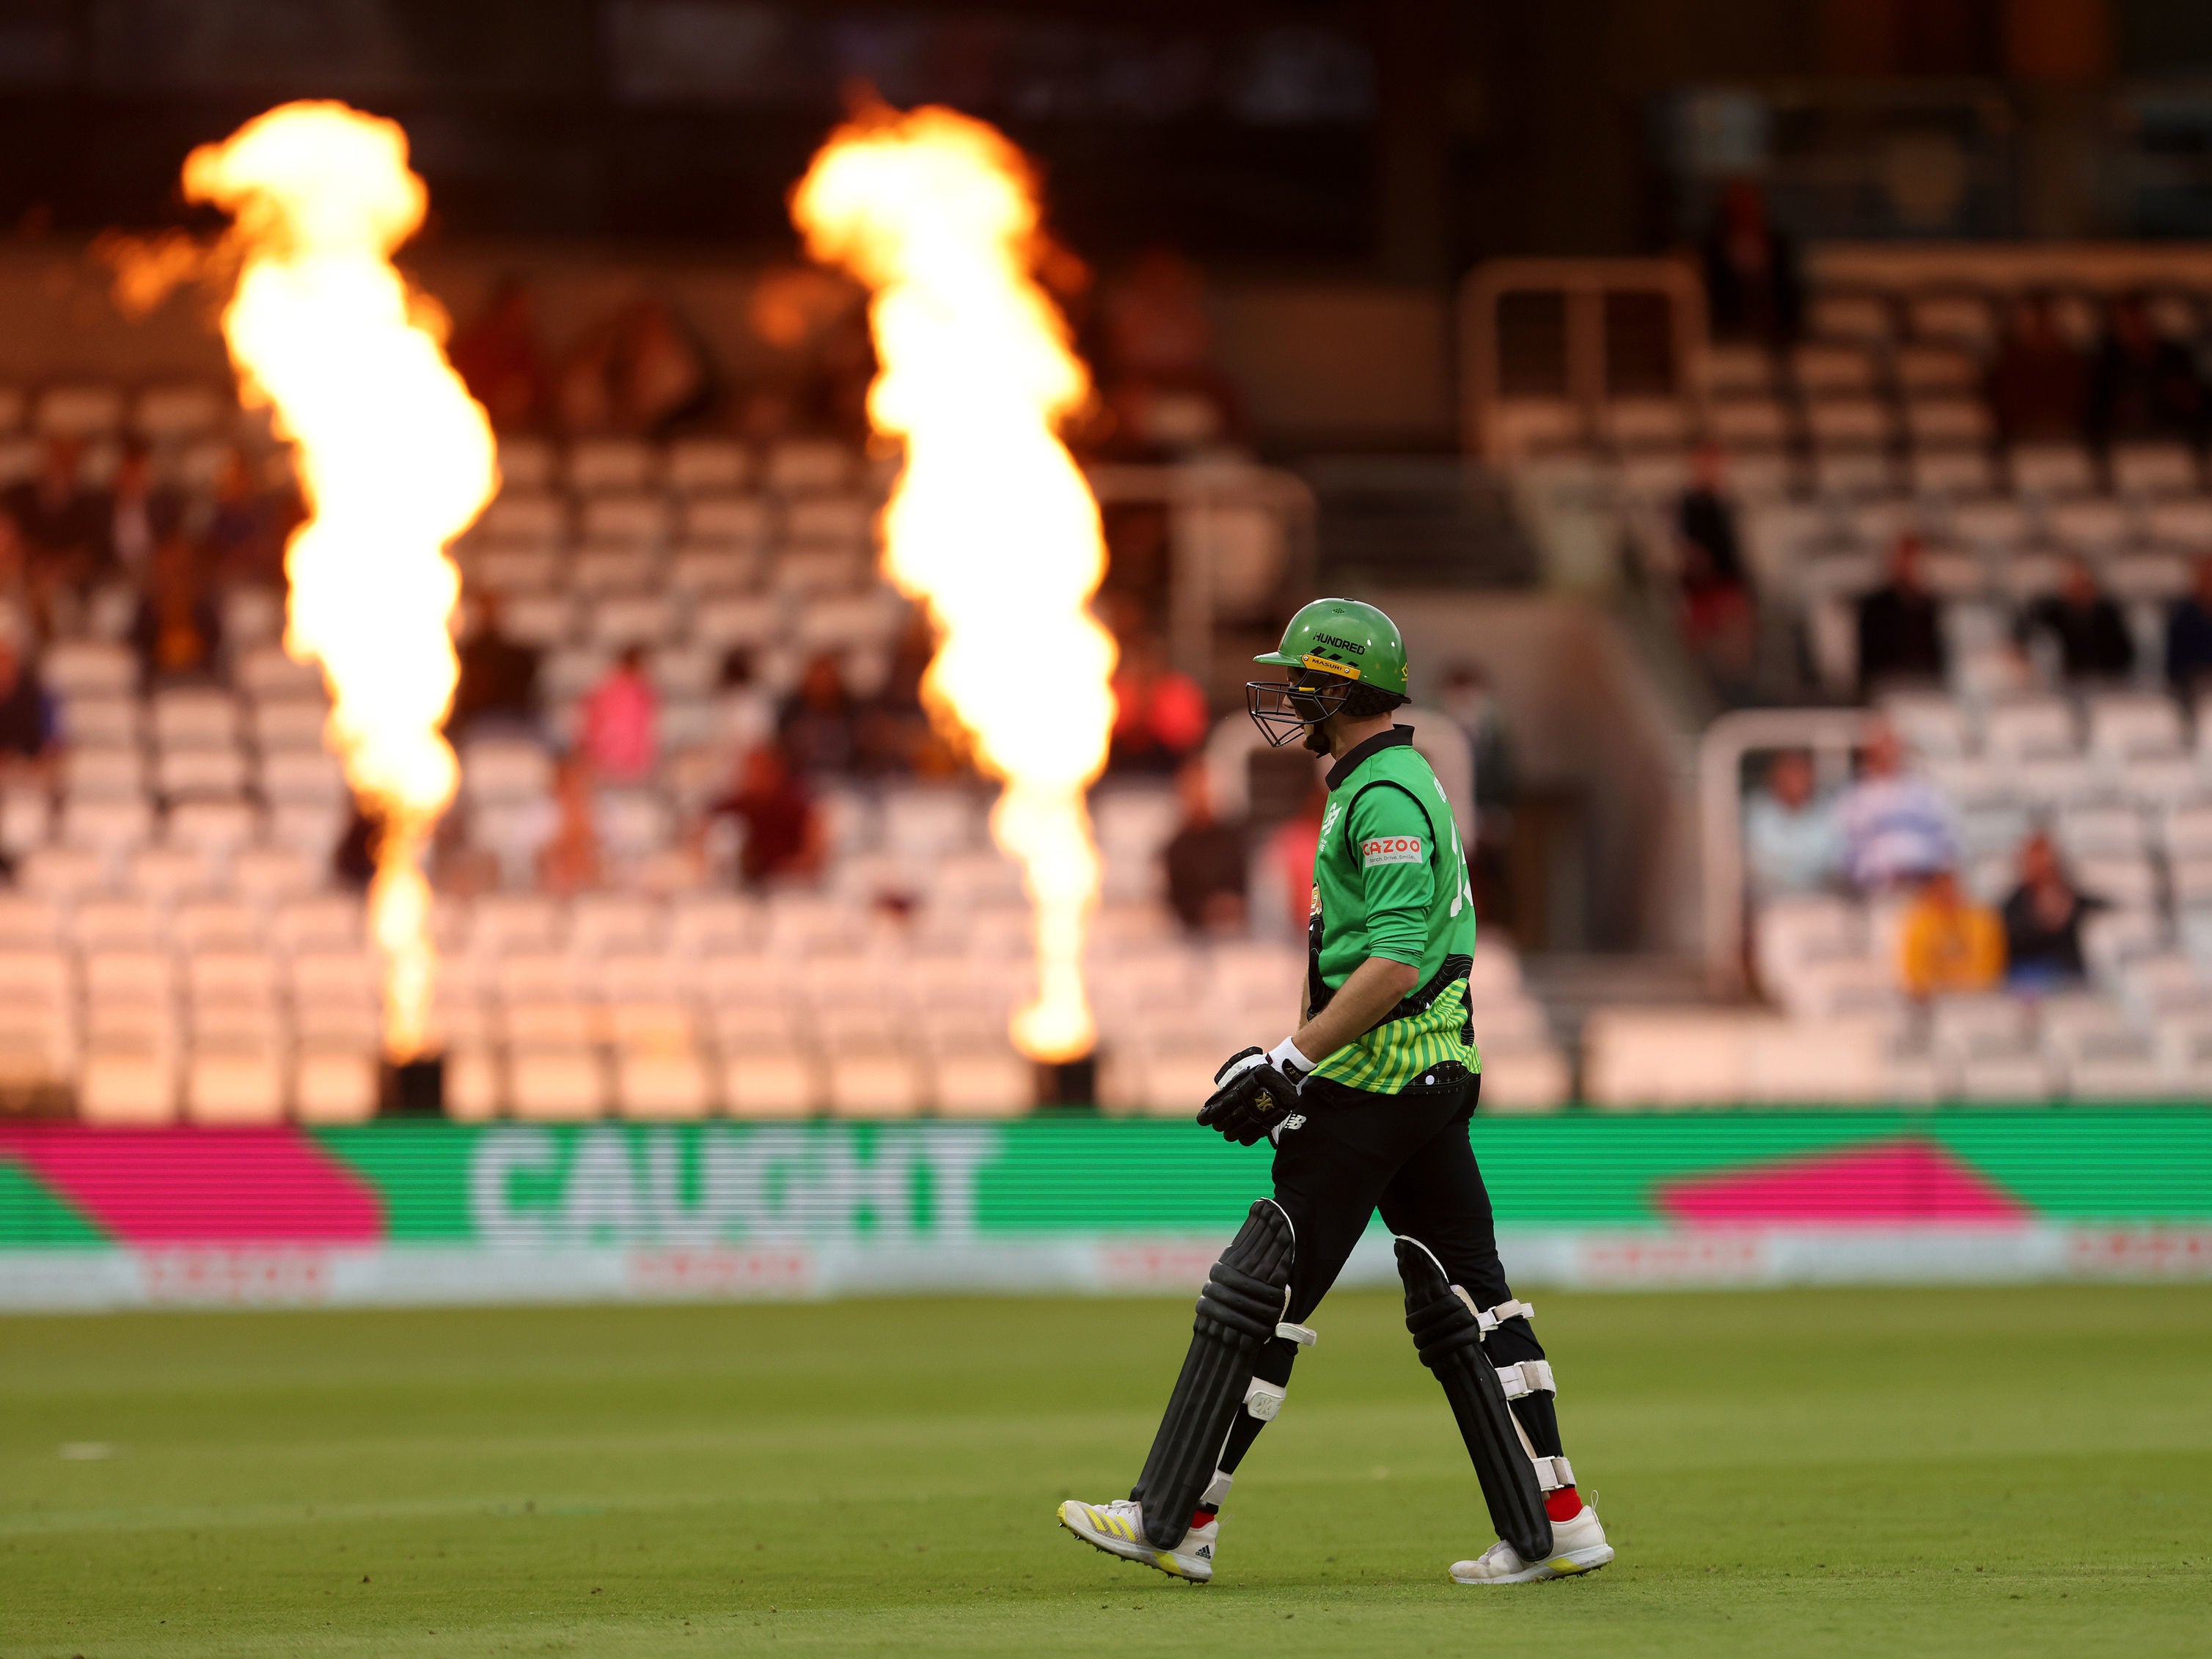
(1367, 1105)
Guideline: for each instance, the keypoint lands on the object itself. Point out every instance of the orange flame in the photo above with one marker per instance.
(396, 460)
(991, 522)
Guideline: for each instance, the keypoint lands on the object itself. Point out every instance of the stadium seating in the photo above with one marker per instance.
(173, 949)
(1874, 426)
(2125, 792)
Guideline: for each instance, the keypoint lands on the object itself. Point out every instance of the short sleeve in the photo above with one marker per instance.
(1393, 850)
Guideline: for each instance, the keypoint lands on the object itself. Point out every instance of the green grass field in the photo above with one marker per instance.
(2008, 1472)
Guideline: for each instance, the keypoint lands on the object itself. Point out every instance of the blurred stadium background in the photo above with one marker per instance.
(1787, 465)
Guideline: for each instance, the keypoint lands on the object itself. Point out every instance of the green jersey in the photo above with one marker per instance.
(1390, 880)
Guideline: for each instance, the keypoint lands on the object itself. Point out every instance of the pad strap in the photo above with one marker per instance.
(1304, 1336)
(1217, 1490)
(1554, 1473)
(1529, 1377)
(1487, 1319)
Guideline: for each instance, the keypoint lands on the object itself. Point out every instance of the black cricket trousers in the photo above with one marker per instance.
(1408, 1156)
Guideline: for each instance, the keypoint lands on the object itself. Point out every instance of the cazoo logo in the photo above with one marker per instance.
(1390, 849)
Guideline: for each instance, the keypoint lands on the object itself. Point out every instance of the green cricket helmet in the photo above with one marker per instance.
(1343, 656)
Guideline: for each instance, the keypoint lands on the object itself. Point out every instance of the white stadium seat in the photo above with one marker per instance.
(79, 411)
(599, 465)
(2153, 469)
(631, 522)
(527, 463)
(134, 1086)
(268, 672)
(523, 518)
(984, 1080)
(769, 1081)
(172, 413)
(289, 723)
(235, 1084)
(810, 466)
(2054, 470)
(557, 1082)
(695, 465)
(657, 1083)
(738, 523)
(334, 1083)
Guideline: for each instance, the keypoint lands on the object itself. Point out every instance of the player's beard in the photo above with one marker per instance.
(1317, 737)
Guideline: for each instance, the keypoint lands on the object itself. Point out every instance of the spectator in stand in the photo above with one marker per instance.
(621, 722)
(500, 359)
(2038, 387)
(140, 516)
(62, 535)
(1159, 714)
(1205, 860)
(2144, 386)
(2189, 632)
(586, 400)
(1752, 283)
(26, 715)
(2092, 635)
(498, 683)
(242, 541)
(817, 323)
(782, 825)
(1718, 619)
(1949, 945)
(177, 630)
(1167, 393)
(568, 862)
(21, 606)
(744, 714)
(841, 367)
(1140, 553)
(1286, 866)
(1897, 828)
(60, 516)
(667, 379)
(1791, 840)
(1705, 519)
(2043, 921)
(638, 372)
(1465, 694)
(353, 860)
(819, 727)
(894, 737)
(1900, 632)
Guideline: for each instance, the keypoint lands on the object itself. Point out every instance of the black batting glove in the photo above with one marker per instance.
(1251, 1097)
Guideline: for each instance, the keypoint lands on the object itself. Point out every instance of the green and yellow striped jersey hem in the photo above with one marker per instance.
(1390, 1057)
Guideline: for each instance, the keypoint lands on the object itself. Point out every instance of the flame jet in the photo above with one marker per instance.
(396, 460)
(990, 521)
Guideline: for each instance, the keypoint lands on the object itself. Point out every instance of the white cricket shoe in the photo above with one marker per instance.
(1118, 1528)
(1577, 1545)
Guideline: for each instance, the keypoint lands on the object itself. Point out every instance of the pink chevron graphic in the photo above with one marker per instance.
(1884, 1183)
(156, 1186)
